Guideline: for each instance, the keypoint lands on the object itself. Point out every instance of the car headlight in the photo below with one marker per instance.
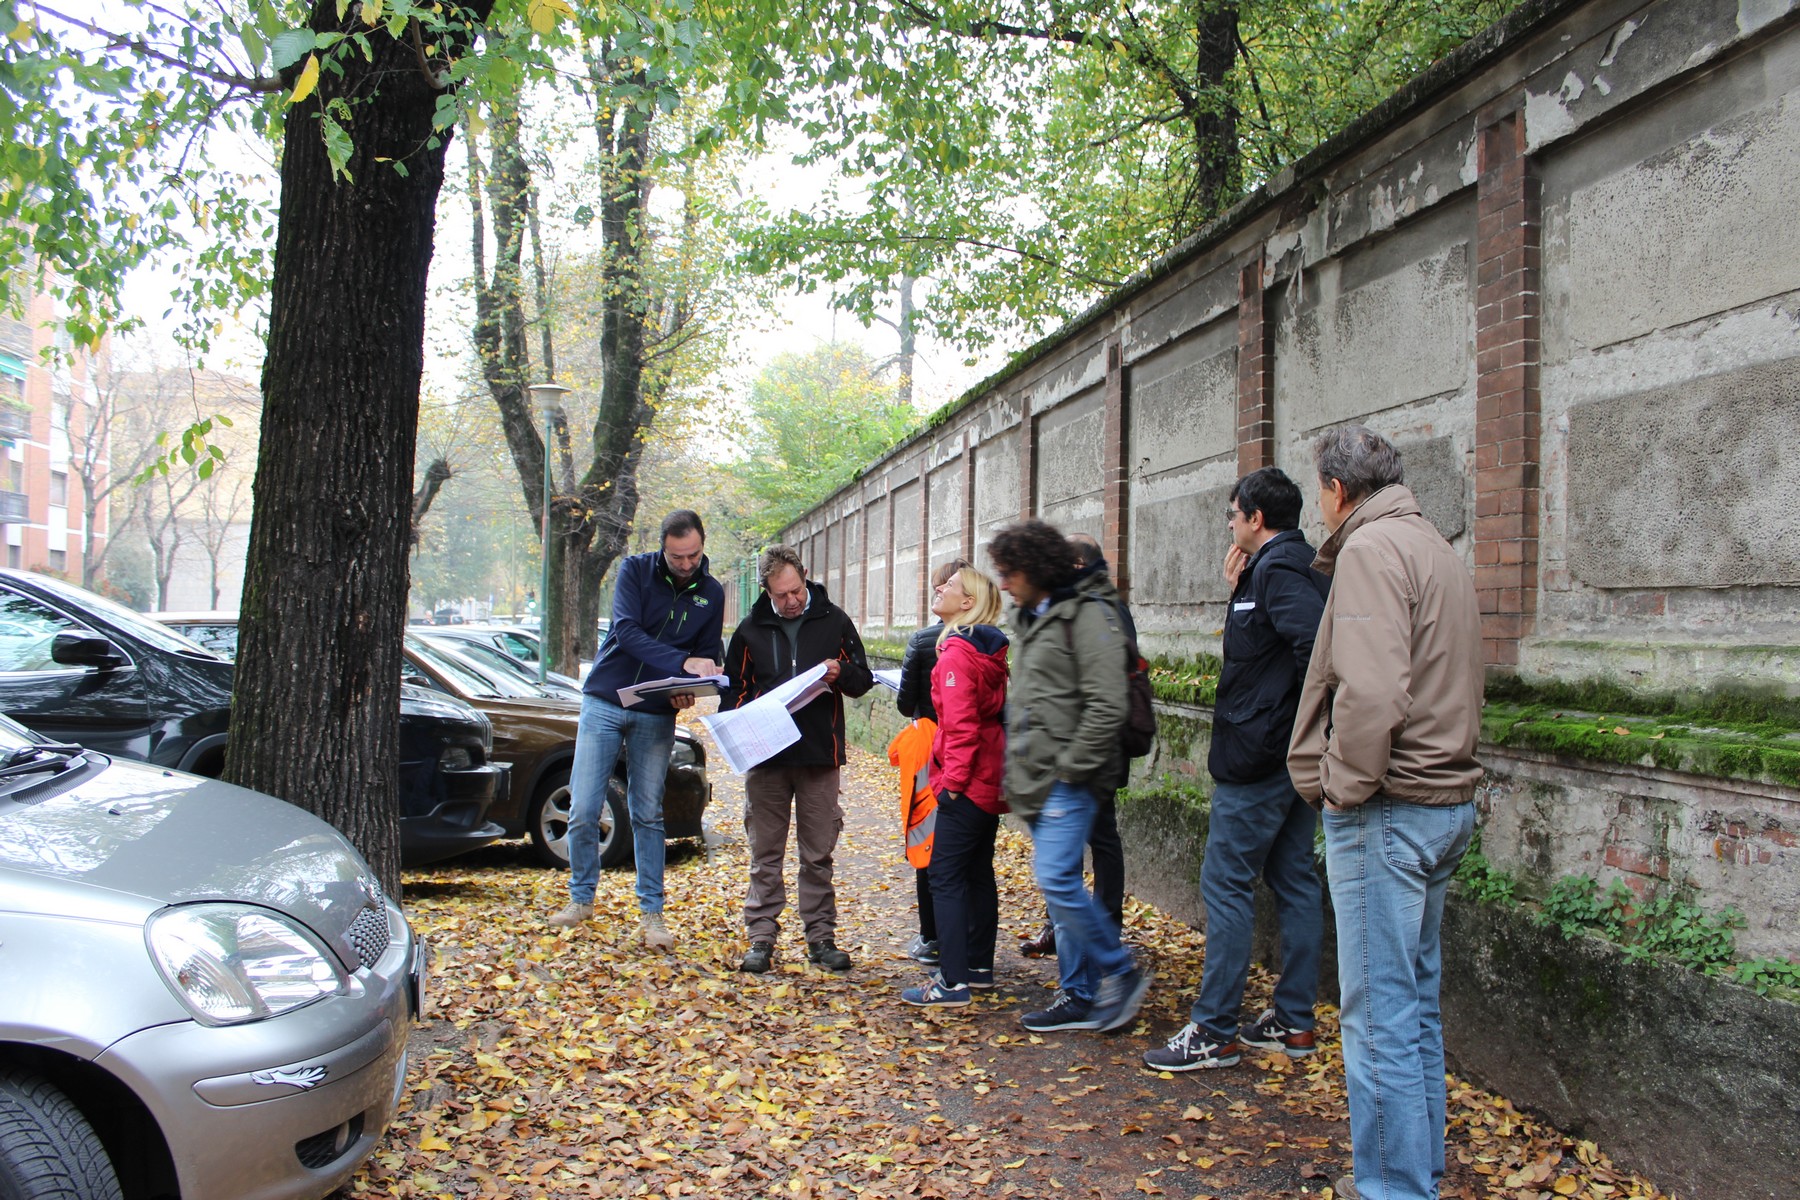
(456, 758)
(685, 754)
(231, 963)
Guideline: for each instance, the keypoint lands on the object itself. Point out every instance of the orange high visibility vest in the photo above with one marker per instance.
(911, 752)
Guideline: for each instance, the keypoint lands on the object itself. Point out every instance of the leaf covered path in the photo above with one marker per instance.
(579, 1064)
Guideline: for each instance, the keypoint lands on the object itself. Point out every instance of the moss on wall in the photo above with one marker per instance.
(1761, 750)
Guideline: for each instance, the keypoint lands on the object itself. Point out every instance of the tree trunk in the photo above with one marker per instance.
(1218, 169)
(908, 341)
(315, 714)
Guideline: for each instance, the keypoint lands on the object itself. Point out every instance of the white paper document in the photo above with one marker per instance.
(753, 733)
(888, 679)
(765, 727)
(674, 685)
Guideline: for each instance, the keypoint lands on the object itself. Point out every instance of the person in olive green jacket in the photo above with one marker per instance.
(1064, 710)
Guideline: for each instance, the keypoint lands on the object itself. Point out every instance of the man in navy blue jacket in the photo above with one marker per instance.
(1259, 824)
(668, 613)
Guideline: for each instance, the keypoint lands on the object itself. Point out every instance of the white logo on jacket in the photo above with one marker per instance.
(949, 678)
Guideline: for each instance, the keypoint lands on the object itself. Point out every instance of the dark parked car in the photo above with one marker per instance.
(534, 733)
(206, 993)
(80, 668)
(519, 645)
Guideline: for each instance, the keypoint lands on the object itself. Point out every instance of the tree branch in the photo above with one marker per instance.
(248, 83)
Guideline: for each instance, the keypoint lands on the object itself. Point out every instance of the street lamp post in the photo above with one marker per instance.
(546, 396)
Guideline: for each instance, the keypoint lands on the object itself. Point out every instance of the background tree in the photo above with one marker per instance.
(814, 420)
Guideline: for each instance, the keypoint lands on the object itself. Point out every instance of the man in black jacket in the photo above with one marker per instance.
(794, 627)
(1259, 824)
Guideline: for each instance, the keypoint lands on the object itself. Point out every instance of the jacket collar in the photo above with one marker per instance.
(667, 576)
(817, 604)
(1395, 500)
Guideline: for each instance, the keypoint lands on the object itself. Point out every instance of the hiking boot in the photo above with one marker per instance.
(1065, 1012)
(825, 955)
(1345, 1189)
(1270, 1034)
(1041, 946)
(760, 958)
(655, 932)
(1120, 996)
(937, 994)
(923, 951)
(1193, 1049)
(981, 978)
(573, 915)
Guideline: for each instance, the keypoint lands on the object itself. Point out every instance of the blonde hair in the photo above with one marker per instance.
(986, 595)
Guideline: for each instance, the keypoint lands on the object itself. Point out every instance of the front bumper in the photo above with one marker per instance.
(448, 815)
(283, 1109)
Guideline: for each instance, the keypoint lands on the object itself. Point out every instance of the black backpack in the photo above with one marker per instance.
(1138, 734)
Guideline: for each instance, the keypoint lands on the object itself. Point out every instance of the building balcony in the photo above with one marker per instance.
(14, 422)
(15, 508)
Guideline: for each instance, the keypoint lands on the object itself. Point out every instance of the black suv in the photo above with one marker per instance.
(79, 668)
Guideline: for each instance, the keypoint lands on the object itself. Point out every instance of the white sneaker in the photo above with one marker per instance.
(655, 932)
(573, 915)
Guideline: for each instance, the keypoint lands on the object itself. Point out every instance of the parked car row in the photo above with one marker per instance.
(207, 992)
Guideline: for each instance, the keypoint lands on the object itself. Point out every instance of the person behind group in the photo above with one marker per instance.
(1384, 738)
(668, 612)
(1066, 705)
(914, 702)
(968, 758)
(1259, 825)
(1104, 847)
(792, 628)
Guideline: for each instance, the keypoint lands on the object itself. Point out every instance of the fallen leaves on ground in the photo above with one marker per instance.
(579, 1064)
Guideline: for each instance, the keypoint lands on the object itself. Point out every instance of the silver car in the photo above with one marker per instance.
(203, 990)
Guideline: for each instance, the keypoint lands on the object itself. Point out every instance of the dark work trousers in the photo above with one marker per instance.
(807, 797)
(963, 891)
(927, 915)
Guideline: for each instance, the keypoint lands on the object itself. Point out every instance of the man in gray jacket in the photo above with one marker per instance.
(1065, 707)
(1385, 740)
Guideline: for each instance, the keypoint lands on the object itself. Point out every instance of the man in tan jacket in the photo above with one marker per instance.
(1384, 740)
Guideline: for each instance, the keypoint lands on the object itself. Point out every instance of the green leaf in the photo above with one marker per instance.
(290, 47)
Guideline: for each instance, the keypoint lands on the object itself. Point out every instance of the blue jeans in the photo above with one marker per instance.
(645, 739)
(1390, 864)
(1087, 942)
(1259, 829)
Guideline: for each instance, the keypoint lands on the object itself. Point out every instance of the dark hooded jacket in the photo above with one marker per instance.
(761, 657)
(1269, 634)
(657, 625)
(914, 698)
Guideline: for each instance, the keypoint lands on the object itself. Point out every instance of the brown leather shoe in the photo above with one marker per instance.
(1041, 946)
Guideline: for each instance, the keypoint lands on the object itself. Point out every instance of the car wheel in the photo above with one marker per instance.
(615, 826)
(48, 1151)
(549, 820)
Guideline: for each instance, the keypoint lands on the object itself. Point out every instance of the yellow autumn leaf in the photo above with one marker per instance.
(371, 11)
(1621, 730)
(543, 14)
(433, 1142)
(1012, 1166)
(1566, 1186)
(309, 79)
(22, 31)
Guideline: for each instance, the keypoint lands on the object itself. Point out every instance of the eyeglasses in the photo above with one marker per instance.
(1232, 514)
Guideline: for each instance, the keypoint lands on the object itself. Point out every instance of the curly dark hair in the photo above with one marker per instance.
(1035, 549)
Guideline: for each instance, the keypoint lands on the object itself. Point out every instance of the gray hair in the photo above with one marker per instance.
(1359, 458)
(775, 559)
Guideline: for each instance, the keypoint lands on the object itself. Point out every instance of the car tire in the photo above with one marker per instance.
(549, 819)
(615, 826)
(48, 1151)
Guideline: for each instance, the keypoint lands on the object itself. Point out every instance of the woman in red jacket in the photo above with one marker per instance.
(968, 690)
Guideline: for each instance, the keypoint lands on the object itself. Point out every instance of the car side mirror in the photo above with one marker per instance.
(86, 650)
(414, 679)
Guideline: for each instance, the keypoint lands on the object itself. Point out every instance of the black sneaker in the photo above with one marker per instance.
(825, 955)
(1193, 1049)
(1065, 1012)
(1119, 997)
(1270, 1034)
(981, 978)
(760, 958)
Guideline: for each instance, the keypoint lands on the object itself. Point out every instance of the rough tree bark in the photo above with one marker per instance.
(316, 705)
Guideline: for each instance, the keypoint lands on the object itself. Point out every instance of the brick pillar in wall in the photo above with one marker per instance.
(1027, 461)
(862, 544)
(1256, 373)
(968, 520)
(1508, 445)
(924, 581)
(1115, 475)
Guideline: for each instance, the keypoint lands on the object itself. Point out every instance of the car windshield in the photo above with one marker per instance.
(133, 622)
(469, 677)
